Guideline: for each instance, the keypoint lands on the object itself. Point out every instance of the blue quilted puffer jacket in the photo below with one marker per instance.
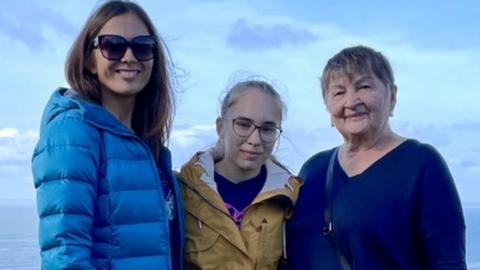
(99, 195)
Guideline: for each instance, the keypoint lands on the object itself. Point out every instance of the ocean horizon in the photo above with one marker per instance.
(19, 230)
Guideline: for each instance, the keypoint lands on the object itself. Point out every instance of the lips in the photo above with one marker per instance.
(250, 155)
(356, 115)
(128, 74)
(358, 112)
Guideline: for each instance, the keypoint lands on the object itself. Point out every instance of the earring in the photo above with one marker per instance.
(332, 124)
(390, 114)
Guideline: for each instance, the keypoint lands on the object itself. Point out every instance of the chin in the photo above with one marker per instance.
(356, 129)
(356, 132)
(127, 92)
(247, 165)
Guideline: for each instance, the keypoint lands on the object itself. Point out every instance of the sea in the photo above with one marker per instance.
(19, 248)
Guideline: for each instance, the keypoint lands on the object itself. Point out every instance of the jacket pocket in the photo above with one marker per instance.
(199, 237)
(263, 236)
(201, 250)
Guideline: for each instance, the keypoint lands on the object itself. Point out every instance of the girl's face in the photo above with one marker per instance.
(244, 153)
(128, 75)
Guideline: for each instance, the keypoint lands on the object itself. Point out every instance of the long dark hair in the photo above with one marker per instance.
(154, 105)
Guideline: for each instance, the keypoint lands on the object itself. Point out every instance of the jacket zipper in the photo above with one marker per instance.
(157, 176)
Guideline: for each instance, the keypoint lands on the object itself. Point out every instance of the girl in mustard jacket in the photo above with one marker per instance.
(237, 196)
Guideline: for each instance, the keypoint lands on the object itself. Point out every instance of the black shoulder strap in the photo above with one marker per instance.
(328, 227)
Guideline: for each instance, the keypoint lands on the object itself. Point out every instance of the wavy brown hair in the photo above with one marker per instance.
(154, 105)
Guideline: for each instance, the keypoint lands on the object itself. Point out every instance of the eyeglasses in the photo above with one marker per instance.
(113, 47)
(245, 127)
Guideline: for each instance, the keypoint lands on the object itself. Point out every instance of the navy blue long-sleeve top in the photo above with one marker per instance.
(402, 212)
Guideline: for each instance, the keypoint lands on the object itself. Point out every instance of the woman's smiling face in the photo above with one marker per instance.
(359, 105)
(127, 76)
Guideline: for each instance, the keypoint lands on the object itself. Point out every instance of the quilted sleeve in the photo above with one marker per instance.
(65, 168)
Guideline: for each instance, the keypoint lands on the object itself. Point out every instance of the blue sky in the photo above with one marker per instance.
(434, 48)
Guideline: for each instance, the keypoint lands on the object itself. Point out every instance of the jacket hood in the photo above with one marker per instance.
(67, 101)
(280, 183)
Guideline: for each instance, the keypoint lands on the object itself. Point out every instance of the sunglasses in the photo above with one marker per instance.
(113, 47)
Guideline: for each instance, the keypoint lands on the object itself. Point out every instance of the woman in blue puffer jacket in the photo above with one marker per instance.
(106, 195)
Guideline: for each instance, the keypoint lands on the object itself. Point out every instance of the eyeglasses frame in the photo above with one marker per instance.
(279, 129)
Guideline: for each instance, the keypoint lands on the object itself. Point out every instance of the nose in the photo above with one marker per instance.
(128, 56)
(254, 138)
(351, 98)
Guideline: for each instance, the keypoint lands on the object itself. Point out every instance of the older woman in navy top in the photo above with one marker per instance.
(392, 200)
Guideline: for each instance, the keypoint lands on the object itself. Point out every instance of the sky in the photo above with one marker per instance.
(433, 46)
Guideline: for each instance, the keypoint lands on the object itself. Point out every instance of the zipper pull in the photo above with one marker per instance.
(199, 224)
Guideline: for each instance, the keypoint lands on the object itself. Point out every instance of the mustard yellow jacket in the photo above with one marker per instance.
(213, 240)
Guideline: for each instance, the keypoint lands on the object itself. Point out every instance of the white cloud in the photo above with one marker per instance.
(191, 136)
(187, 140)
(14, 24)
(9, 169)
(16, 145)
(245, 36)
(16, 148)
(8, 133)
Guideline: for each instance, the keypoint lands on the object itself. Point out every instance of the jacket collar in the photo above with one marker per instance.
(278, 180)
(67, 100)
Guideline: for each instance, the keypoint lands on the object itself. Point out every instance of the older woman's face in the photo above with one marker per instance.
(359, 106)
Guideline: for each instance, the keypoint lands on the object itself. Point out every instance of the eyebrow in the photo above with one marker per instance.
(262, 124)
(366, 78)
(337, 86)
